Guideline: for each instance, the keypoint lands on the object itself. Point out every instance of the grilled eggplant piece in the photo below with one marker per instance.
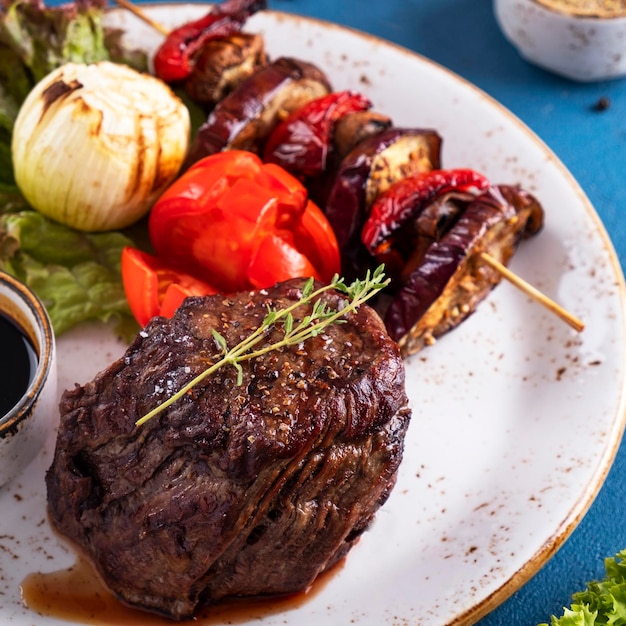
(451, 280)
(523, 201)
(375, 164)
(244, 118)
(222, 65)
(353, 128)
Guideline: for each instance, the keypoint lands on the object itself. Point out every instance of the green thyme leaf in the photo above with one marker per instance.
(220, 341)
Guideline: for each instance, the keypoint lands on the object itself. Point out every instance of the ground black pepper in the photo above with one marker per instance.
(602, 104)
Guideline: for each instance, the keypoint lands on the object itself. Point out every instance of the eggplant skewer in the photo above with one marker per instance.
(354, 189)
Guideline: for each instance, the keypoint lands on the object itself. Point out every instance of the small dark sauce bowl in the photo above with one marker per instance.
(26, 425)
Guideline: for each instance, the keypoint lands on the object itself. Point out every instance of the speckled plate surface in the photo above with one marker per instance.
(517, 418)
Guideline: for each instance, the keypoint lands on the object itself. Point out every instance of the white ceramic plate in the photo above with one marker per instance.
(516, 417)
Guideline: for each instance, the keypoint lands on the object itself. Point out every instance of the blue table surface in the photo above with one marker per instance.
(463, 36)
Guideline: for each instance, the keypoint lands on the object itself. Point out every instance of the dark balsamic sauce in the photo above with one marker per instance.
(18, 363)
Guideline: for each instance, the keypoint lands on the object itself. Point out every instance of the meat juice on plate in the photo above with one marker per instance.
(77, 595)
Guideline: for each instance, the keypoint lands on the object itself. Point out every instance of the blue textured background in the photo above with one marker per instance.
(463, 36)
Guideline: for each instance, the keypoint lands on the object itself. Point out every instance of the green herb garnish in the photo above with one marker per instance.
(602, 601)
(294, 331)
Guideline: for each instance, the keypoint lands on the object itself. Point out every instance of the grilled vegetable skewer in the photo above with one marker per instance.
(384, 194)
(174, 60)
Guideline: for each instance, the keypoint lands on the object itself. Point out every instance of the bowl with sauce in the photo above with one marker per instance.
(28, 376)
(583, 40)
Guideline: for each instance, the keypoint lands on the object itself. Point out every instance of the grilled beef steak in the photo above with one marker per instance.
(235, 490)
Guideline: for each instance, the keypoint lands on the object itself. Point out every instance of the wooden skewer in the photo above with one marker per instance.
(143, 16)
(531, 291)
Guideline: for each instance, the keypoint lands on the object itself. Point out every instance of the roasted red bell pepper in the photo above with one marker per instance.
(237, 223)
(302, 141)
(153, 288)
(406, 198)
(173, 61)
(314, 236)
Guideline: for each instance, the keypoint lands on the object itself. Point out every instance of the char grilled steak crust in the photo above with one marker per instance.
(234, 491)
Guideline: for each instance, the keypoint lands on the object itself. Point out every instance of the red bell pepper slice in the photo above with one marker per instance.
(174, 296)
(173, 61)
(315, 237)
(216, 220)
(276, 260)
(153, 288)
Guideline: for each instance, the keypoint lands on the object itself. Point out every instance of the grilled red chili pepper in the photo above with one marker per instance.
(302, 141)
(406, 199)
(173, 61)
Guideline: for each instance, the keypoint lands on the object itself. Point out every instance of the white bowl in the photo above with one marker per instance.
(25, 426)
(580, 47)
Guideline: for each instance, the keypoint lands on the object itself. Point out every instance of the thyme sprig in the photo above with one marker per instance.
(294, 331)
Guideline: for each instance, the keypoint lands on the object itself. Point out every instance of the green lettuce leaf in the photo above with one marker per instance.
(44, 38)
(76, 275)
(14, 86)
(602, 602)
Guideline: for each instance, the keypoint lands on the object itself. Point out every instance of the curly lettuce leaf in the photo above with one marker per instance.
(44, 38)
(14, 86)
(76, 275)
(578, 615)
(602, 602)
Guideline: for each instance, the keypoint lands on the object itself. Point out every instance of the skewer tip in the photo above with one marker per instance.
(142, 15)
(533, 292)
